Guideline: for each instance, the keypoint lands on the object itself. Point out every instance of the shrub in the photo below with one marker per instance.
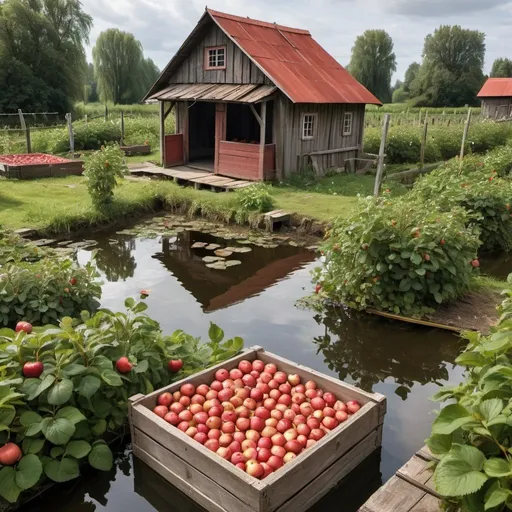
(476, 186)
(256, 197)
(398, 258)
(102, 169)
(39, 287)
(66, 416)
(472, 436)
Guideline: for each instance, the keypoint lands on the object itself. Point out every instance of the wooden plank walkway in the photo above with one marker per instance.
(410, 490)
(189, 175)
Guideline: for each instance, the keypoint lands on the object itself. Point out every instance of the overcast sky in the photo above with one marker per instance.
(162, 25)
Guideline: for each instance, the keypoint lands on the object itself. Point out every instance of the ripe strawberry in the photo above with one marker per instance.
(73, 281)
(123, 365)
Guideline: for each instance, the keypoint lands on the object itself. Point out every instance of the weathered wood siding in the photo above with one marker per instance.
(239, 68)
(240, 160)
(292, 152)
(497, 108)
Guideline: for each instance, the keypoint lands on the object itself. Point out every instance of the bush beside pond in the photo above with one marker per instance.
(472, 435)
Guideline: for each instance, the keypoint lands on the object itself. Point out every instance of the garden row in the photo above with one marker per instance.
(410, 254)
(403, 144)
(64, 385)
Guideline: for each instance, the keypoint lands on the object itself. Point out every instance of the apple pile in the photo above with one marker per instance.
(255, 416)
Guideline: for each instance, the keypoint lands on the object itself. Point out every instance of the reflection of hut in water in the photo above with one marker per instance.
(218, 289)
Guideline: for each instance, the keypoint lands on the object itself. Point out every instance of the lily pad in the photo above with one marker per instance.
(269, 246)
(64, 243)
(218, 265)
(239, 250)
(223, 253)
(212, 247)
(245, 242)
(233, 263)
(199, 245)
(312, 248)
(212, 259)
(293, 244)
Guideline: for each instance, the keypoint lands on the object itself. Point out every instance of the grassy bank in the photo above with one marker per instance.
(56, 205)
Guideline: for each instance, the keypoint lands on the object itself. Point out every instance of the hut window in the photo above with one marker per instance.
(347, 123)
(215, 57)
(308, 126)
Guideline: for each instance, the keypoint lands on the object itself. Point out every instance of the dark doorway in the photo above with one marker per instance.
(201, 132)
(242, 125)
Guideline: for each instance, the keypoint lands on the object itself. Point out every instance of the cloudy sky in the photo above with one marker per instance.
(162, 26)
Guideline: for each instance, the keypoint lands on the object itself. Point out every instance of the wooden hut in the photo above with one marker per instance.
(257, 100)
(496, 96)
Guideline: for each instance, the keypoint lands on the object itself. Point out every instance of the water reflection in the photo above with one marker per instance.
(115, 259)
(356, 347)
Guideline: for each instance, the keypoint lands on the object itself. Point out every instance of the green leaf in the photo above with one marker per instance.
(111, 378)
(9, 489)
(129, 303)
(497, 497)
(416, 258)
(458, 473)
(420, 271)
(141, 366)
(99, 427)
(56, 452)
(140, 307)
(43, 386)
(101, 457)
(215, 333)
(497, 341)
(31, 445)
(439, 444)
(62, 470)
(490, 409)
(497, 468)
(88, 386)
(471, 359)
(7, 415)
(61, 392)
(28, 472)
(78, 449)
(450, 419)
(58, 431)
(73, 369)
(29, 417)
(70, 413)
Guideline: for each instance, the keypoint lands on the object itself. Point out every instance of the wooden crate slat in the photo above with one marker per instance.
(319, 487)
(194, 478)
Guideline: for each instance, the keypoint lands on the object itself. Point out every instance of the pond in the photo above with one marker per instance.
(257, 301)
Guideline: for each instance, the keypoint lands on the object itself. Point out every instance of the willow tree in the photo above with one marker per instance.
(42, 54)
(373, 62)
(122, 73)
(502, 68)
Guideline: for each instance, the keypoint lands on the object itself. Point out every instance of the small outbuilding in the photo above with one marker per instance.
(496, 96)
(256, 100)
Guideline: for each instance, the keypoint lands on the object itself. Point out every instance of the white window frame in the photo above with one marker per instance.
(346, 117)
(306, 133)
(215, 51)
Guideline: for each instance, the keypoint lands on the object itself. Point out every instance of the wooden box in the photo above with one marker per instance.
(218, 486)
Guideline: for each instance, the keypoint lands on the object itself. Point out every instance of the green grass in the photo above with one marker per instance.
(57, 205)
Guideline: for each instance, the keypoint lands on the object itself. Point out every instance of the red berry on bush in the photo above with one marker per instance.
(318, 287)
(66, 290)
(475, 263)
(442, 242)
(73, 281)
(144, 294)
(364, 247)
(175, 365)
(123, 365)
(426, 257)
(24, 326)
(33, 369)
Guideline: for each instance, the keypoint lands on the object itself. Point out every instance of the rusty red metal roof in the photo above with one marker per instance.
(496, 88)
(294, 61)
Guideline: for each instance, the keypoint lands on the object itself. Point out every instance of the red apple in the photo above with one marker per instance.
(227, 406)
(329, 422)
(310, 384)
(285, 388)
(243, 412)
(310, 443)
(250, 453)
(285, 400)
(225, 440)
(216, 410)
(255, 374)
(299, 398)
(224, 453)
(269, 404)
(254, 468)
(258, 365)
(201, 437)
(176, 407)
(212, 394)
(303, 440)
(250, 403)
(280, 377)
(236, 401)
(294, 379)
(239, 436)
(243, 393)
(265, 377)
(214, 422)
(273, 384)
(235, 373)
(238, 384)
(185, 401)
(201, 418)
(289, 457)
(267, 470)
(318, 403)
(329, 412)
(278, 451)
(172, 418)
(290, 434)
(268, 432)
(353, 406)
(341, 416)
(295, 408)
(264, 454)
(262, 413)
(306, 409)
(212, 444)
(198, 399)
(274, 393)
(183, 426)
(228, 427)
(245, 366)
(214, 433)
(263, 387)
(248, 443)
(195, 408)
(188, 390)
(202, 389)
(271, 368)
(278, 440)
(226, 394)
(329, 398)
(243, 424)
(265, 442)
(276, 414)
(319, 415)
(238, 458)
(176, 396)
(175, 365)
(241, 465)
(252, 435)
(299, 420)
(275, 462)
(256, 394)
(201, 427)
(249, 380)
(228, 383)
(293, 446)
(165, 399)
(281, 407)
(316, 434)
(221, 375)
(161, 410)
(340, 406)
(289, 415)
(235, 446)
(271, 422)
(216, 385)
(257, 423)
(310, 393)
(229, 416)
(284, 425)
(191, 431)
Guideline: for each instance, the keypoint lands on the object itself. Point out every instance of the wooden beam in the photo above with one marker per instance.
(168, 111)
(263, 126)
(465, 135)
(380, 165)
(331, 151)
(258, 118)
(162, 132)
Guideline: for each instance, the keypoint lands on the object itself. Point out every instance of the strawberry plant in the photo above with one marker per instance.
(477, 187)
(397, 257)
(102, 170)
(473, 434)
(65, 417)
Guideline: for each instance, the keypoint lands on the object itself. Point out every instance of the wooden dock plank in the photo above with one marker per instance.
(395, 496)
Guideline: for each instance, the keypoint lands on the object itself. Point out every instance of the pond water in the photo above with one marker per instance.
(256, 300)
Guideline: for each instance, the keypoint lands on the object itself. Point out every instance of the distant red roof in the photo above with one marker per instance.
(294, 61)
(496, 87)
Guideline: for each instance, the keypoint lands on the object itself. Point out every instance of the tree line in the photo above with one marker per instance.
(43, 66)
(449, 75)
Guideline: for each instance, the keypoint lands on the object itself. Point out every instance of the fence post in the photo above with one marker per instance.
(106, 113)
(71, 136)
(380, 164)
(465, 135)
(26, 129)
(423, 142)
(122, 128)
(162, 133)
(86, 123)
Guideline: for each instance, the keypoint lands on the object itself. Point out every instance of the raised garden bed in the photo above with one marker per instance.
(38, 165)
(140, 149)
(219, 486)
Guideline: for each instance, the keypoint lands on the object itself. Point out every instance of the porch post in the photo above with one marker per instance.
(162, 132)
(220, 133)
(263, 126)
